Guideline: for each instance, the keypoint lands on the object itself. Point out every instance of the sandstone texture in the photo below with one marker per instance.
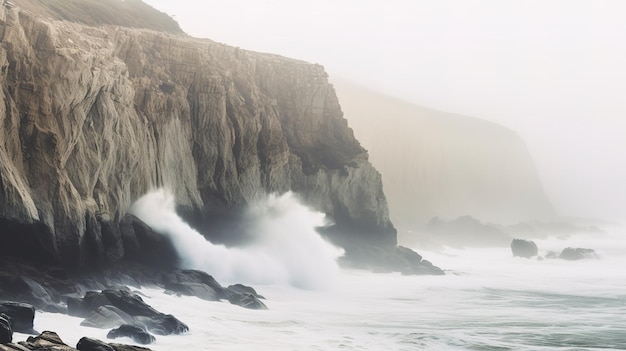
(94, 116)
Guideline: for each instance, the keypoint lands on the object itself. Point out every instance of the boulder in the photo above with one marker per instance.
(172, 279)
(574, 254)
(137, 334)
(6, 329)
(89, 344)
(524, 248)
(114, 307)
(199, 290)
(245, 300)
(48, 341)
(22, 315)
(162, 324)
(107, 317)
(243, 289)
(120, 347)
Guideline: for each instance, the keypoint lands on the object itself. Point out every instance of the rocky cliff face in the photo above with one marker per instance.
(438, 164)
(94, 117)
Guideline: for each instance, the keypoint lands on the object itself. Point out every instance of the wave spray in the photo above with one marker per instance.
(285, 247)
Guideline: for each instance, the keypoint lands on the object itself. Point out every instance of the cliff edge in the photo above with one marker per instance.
(96, 114)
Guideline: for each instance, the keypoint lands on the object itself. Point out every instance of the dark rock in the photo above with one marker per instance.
(89, 344)
(199, 290)
(153, 248)
(6, 329)
(110, 307)
(138, 335)
(388, 259)
(22, 314)
(245, 300)
(129, 302)
(107, 317)
(243, 289)
(574, 254)
(171, 279)
(120, 347)
(162, 324)
(524, 248)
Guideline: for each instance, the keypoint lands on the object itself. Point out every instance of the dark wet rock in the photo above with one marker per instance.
(162, 324)
(120, 347)
(199, 290)
(107, 317)
(574, 254)
(244, 289)
(6, 329)
(524, 248)
(22, 314)
(89, 344)
(182, 282)
(137, 334)
(245, 300)
(381, 259)
(111, 306)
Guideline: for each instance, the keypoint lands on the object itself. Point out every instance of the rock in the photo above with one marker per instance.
(138, 335)
(89, 344)
(574, 254)
(95, 116)
(243, 289)
(6, 329)
(245, 300)
(111, 306)
(120, 347)
(382, 259)
(199, 290)
(48, 341)
(107, 317)
(524, 248)
(181, 280)
(162, 324)
(22, 315)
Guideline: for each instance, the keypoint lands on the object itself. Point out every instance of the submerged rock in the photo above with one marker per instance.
(246, 300)
(244, 289)
(138, 335)
(524, 248)
(574, 254)
(114, 307)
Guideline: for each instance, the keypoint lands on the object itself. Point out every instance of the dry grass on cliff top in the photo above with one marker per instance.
(126, 13)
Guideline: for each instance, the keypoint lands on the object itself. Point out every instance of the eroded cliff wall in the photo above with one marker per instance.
(438, 164)
(94, 117)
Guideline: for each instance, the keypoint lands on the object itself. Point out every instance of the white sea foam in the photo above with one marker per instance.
(489, 300)
(285, 247)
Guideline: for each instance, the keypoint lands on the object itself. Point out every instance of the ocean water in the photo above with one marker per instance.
(488, 300)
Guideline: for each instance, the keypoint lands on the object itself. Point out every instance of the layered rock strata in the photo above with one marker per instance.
(95, 116)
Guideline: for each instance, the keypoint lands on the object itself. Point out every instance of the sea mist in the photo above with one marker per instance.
(285, 247)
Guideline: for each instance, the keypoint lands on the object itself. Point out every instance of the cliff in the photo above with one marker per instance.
(96, 114)
(437, 164)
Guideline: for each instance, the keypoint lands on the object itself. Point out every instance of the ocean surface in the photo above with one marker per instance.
(488, 300)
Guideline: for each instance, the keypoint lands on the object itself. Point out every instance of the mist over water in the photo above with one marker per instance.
(284, 246)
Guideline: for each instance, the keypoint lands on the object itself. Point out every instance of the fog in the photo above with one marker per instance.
(552, 71)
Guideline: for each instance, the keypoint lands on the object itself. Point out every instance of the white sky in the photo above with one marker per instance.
(552, 70)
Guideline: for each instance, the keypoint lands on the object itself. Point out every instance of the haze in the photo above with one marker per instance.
(551, 70)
